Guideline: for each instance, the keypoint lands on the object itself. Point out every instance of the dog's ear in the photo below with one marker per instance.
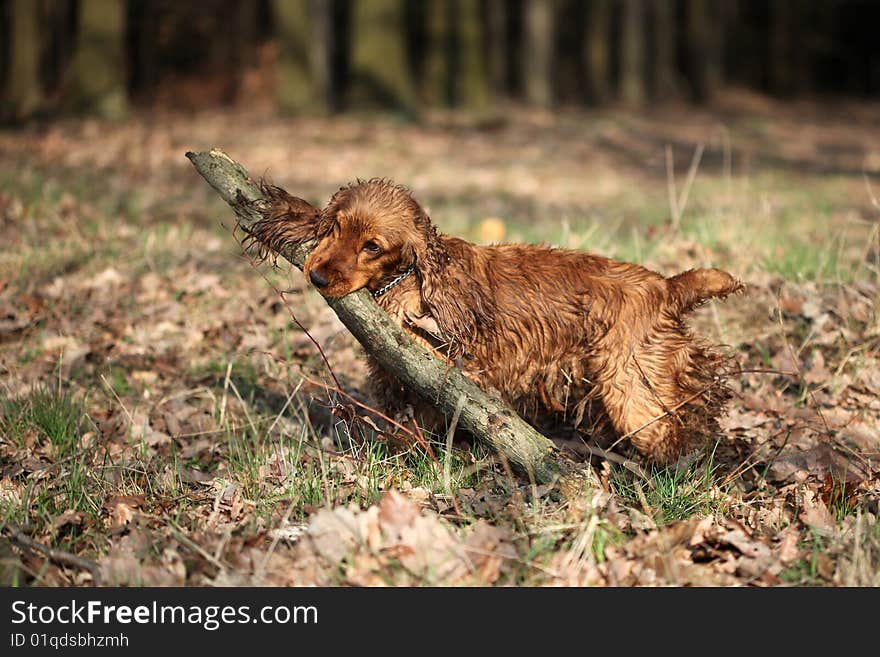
(426, 251)
(278, 204)
(454, 299)
(286, 221)
(461, 310)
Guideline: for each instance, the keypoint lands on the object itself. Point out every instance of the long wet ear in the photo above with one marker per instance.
(286, 222)
(429, 254)
(451, 294)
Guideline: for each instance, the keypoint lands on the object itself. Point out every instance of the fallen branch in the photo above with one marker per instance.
(487, 418)
(24, 542)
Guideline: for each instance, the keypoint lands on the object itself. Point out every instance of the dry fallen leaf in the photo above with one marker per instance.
(788, 548)
(121, 514)
(69, 517)
(816, 514)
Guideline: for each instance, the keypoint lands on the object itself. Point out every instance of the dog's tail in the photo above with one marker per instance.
(694, 286)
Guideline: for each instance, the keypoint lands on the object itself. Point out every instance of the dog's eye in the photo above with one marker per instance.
(372, 247)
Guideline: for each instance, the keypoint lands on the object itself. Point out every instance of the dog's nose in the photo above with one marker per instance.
(318, 280)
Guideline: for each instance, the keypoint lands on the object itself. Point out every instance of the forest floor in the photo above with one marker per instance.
(157, 425)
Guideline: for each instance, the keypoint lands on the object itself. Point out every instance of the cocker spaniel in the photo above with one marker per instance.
(558, 334)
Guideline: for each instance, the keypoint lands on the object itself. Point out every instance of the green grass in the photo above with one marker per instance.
(805, 571)
(841, 500)
(56, 417)
(72, 487)
(357, 470)
(802, 260)
(76, 222)
(119, 381)
(14, 420)
(860, 563)
(56, 414)
(673, 493)
(605, 536)
(277, 457)
(801, 237)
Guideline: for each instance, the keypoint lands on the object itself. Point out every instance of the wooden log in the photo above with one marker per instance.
(489, 419)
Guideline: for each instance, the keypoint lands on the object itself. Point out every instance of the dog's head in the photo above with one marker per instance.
(370, 232)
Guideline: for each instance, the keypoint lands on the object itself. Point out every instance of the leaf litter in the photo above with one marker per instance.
(200, 457)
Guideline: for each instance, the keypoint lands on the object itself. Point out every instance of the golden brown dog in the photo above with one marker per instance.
(555, 332)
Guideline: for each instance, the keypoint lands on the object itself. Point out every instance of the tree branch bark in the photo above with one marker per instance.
(487, 418)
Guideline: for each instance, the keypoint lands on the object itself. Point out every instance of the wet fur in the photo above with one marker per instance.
(558, 334)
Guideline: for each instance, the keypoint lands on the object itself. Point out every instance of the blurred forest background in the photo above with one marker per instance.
(108, 56)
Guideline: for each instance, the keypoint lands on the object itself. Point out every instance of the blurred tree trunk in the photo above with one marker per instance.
(597, 51)
(322, 50)
(496, 46)
(380, 73)
(305, 34)
(538, 53)
(781, 64)
(632, 53)
(436, 79)
(242, 38)
(58, 29)
(455, 72)
(97, 83)
(705, 47)
(720, 12)
(469, 70)
(23, 95)
(664, 68)
(143, 33)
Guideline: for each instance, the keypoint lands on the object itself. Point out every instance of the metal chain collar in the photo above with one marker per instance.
(394, 281)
